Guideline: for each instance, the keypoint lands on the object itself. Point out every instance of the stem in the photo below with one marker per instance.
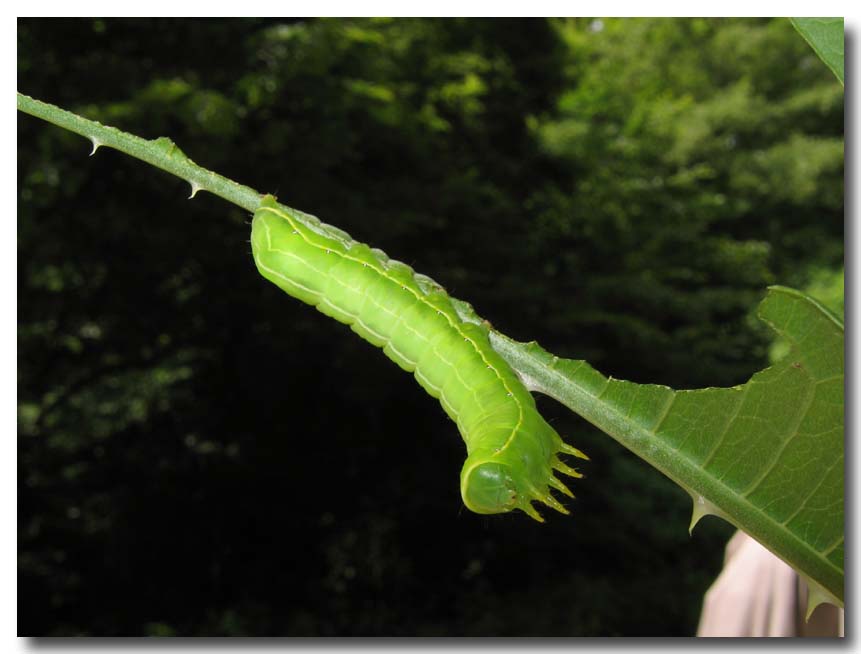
(572, 389)
(161, 153)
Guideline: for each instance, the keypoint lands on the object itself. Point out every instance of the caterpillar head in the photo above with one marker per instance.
(488, 487)
(490, 483)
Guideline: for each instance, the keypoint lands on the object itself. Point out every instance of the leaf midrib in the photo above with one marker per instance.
(682, 464)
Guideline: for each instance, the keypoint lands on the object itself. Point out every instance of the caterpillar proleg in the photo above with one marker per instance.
(511, 450)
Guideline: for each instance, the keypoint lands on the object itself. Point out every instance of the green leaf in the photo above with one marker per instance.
(767, 455)
(825, 36)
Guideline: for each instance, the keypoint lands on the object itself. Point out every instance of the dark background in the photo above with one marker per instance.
(200, 454)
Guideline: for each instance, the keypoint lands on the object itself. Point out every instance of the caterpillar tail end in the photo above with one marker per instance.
(489, 485)
(566, 470)
(525, 505)
(573, 451)
(562, 488)
(529, 510)
(552, 482)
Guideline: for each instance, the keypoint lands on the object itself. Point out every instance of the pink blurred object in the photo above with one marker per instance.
(757, 594)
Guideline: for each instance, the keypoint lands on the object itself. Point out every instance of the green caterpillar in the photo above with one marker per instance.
(512, 451)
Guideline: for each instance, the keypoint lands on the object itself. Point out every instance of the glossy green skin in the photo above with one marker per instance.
(512, 451)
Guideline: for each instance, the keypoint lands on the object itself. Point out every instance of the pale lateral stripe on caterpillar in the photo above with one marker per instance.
(511, 449)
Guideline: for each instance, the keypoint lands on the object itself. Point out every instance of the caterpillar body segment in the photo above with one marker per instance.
(512, 451)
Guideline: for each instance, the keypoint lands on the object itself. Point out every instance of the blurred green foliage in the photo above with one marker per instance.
(197, 455)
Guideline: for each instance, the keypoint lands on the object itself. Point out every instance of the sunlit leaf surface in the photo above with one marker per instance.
(766, 455)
